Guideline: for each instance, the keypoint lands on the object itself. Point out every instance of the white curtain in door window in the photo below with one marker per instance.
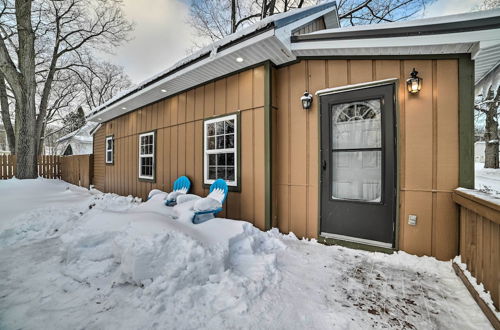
(357, 175)
(356, 125)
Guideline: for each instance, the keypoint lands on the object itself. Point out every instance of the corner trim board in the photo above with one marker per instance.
(466, 121)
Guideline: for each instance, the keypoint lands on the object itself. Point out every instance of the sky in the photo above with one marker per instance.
(163, 36)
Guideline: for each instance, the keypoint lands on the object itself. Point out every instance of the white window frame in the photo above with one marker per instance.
(152, 155)
(234, 150)
(112, 150)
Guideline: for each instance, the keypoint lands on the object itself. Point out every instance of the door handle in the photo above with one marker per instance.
(324, 165)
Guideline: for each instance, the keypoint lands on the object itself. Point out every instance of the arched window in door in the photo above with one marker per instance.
(357, 150)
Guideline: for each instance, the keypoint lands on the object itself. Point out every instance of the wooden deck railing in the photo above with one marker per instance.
(77, 169)
(480, 238)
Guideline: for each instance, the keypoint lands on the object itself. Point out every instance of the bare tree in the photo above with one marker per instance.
(41, 39)
(362, 12)
(100, 81)
(6, 118)
(215, 19)
(489, 4)
(488, 105)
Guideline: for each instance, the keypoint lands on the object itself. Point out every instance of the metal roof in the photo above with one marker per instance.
(265, 40)
(477, 33)
(271, 39)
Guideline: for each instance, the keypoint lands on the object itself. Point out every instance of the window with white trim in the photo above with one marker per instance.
(221, 150)
(109, 149)
(147, 155)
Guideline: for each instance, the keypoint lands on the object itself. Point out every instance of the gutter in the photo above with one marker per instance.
(416, 30)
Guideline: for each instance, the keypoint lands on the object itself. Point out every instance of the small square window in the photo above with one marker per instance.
(212, 160)
(221, 159)
(220, 142)
(230, 159)
(212, 172)
(211, 143)
(230, 173)
(229, 141)
(229, 126)
(211, 130)
(219, 128)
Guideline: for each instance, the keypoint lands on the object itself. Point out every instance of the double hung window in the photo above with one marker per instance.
(221, 150)
(109, 149)
(147, 156)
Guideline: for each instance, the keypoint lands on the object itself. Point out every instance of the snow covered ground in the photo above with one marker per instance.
(74, 259)
(487, 179)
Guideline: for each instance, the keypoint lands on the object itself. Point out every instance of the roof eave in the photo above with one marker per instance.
(273, 38)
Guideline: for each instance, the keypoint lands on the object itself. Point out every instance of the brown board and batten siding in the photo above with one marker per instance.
(428, 147)
(178, 122)
(99, 157)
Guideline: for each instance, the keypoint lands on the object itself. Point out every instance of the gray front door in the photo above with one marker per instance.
(358, 160)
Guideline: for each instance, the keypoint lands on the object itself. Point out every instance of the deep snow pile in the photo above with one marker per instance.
(487, 179)
(73, 259)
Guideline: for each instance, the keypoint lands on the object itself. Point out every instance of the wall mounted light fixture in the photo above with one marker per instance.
(306, 100)
(414, 83)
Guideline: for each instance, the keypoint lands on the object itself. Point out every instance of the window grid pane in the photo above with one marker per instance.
(146, 156)
(220, 153)
(109, 150)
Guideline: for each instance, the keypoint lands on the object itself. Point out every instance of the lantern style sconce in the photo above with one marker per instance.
(306, 100)
(414, 83)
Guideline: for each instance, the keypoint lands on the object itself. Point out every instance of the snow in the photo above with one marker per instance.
(78, 259)
(483, 294)
(487, 180)
(213, 49)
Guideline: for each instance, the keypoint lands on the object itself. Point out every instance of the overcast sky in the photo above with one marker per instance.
(163, 36)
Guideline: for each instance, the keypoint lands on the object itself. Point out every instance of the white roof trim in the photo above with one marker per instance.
(275, 41)
(356, 86)
(417, 22)
(392, 42)
(275, 45)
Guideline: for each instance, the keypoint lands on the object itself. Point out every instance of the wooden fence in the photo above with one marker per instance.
(49, 166)
(480, 238)
(77, 169)
(7, 166)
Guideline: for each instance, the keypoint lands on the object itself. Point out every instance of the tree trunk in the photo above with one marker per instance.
(233, 16)
(26, 140)
(263, 12)
(491, 138)
(272, 5)
(41, 142)
(7, 123)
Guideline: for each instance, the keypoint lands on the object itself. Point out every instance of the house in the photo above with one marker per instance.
(78, 142)
(315, 127)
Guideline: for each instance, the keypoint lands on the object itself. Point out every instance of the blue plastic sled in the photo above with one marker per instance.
(218, 191)
(181, 187)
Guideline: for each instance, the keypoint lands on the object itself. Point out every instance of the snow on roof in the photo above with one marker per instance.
(457, 18)
(271, 40)
(475, 33)
(82, 134)
(277, 20)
